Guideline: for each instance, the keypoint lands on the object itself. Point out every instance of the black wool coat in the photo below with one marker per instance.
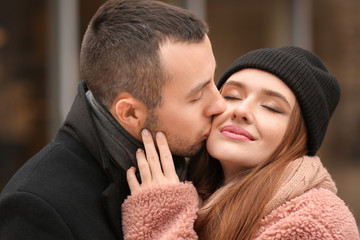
(71, 189)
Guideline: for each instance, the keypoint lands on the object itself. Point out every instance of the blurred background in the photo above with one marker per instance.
(39, 54)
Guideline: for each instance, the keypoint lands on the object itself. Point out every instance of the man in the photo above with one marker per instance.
(144, 64)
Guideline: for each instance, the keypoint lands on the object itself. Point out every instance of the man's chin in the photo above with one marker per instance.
(187, 152)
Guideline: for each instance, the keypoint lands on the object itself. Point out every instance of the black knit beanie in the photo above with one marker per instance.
(317, 91)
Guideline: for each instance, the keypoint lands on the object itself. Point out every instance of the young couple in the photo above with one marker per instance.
(259, 176)
(147, 64)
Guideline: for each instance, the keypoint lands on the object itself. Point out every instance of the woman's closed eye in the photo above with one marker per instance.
(272, 109)
(231, 98)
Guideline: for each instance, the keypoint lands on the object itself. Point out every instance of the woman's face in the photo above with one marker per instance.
(259, 106)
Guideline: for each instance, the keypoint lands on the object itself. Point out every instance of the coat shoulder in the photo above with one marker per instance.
(56, 168)
(56, 187)
(316, 214)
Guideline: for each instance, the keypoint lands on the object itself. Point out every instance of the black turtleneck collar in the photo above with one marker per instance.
(80, 123)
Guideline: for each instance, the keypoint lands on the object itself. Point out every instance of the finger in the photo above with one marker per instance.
(132, 180)
(165, 156)
(151, 154)
(143, 166)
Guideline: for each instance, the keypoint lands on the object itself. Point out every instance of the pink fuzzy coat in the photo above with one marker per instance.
(305, 206)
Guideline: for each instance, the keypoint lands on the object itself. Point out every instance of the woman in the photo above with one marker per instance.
(260, 178)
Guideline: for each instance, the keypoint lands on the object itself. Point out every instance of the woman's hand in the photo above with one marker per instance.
(151, 172)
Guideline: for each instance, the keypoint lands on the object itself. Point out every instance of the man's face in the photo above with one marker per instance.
(189, 99)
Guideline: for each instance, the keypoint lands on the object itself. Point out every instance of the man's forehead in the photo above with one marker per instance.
(189, 67)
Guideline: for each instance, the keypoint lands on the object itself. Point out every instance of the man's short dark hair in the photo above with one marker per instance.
(120, 49)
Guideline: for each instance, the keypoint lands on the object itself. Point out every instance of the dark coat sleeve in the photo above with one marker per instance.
(27, 216)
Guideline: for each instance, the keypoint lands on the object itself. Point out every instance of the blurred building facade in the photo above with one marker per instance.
(39, 49)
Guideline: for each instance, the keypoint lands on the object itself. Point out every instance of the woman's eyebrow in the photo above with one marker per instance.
(234, 83)
(272, 93)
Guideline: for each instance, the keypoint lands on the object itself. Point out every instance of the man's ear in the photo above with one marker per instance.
(130, 112)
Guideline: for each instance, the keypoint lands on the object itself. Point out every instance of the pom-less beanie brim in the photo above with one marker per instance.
(317, 91)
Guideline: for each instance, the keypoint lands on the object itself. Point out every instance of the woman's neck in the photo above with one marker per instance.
(231, 170)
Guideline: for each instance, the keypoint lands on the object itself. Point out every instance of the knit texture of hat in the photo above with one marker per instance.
(317, 91)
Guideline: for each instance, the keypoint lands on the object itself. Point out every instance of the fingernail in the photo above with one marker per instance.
(145, 132)
(159, 134)
(139, 150)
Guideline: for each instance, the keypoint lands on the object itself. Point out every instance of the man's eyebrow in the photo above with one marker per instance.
(276, 94)
(198, 88)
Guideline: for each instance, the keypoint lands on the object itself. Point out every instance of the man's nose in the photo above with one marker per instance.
(217, 104)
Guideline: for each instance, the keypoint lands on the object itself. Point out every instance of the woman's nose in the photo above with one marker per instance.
(243, 112)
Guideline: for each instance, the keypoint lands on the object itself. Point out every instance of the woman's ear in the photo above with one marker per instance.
(130, 112)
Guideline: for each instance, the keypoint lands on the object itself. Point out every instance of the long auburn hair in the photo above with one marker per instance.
(238, 212)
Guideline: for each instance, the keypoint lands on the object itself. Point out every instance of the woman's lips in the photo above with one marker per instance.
(236, 133)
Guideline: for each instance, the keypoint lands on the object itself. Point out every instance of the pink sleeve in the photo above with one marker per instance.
(163, 212)
(317, 214)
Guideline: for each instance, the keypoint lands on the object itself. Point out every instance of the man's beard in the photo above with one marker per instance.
(179, 145)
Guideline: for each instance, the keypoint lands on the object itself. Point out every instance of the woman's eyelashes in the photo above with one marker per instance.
(264, 101)
(232, 95)
(228, 97)
(272, 109)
